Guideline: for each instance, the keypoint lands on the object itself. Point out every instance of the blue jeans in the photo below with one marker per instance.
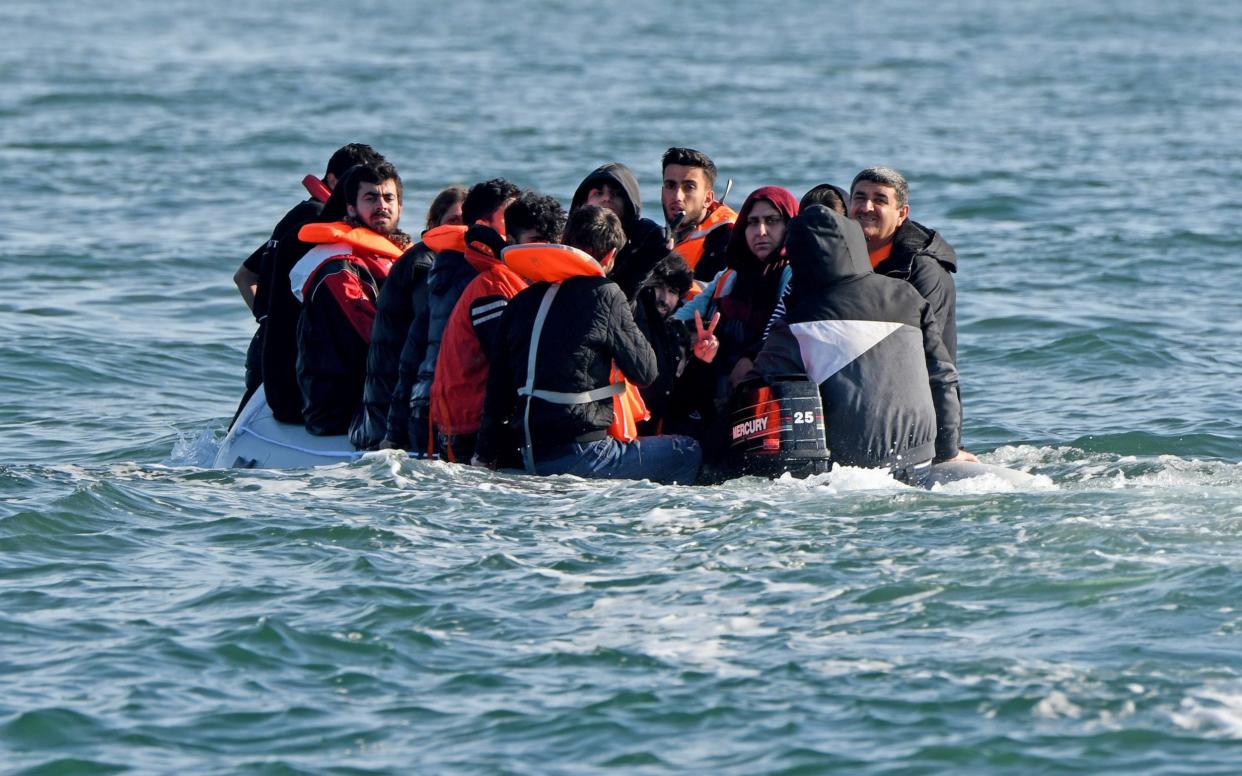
(663, 459)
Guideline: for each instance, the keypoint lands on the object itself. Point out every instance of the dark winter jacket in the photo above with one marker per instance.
(280, 338)
(671, 342)
(922, 258)
(261, 263)
(338, 282)
(401, 300)
(450, 273)
(589, 326)
(872, 345)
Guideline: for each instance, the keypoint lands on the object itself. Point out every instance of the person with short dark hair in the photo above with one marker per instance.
(480, 234)
(260, 277)
(699, 223)
(402, 299)
(535, 218)
(567, 358)
(901, 248)
(461, 369)
(338, 283)
(871, 344)
(832, 197)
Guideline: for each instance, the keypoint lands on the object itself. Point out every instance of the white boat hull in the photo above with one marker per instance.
(259, 441)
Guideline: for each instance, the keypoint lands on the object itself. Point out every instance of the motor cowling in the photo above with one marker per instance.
(777, 428)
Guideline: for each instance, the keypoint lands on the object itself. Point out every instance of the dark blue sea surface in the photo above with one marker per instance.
(158, 615)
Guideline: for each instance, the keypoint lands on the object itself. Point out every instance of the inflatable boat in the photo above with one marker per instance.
(773, 430)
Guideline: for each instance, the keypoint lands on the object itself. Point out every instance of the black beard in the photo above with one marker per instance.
(396, 236)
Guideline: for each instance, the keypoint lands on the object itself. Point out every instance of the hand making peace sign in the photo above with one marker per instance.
(705, 344)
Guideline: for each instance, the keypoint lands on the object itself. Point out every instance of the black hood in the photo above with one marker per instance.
(620, 176)
(913, 238)
(823, 249)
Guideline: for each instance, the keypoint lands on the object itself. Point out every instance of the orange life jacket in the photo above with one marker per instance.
(880, 254)
(460, 383)
(539, 262)
(340, 240)
(448, 237)
(354, 236)
(691, 248)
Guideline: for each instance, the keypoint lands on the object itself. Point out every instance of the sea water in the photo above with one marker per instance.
(391, 616)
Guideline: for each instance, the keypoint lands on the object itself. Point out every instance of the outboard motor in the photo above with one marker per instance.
(777, 428)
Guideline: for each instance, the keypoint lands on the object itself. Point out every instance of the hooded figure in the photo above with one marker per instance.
(645, 244)
(872, 345)
(621, 178)
(747, 291)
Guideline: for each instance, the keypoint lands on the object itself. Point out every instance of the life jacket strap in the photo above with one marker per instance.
(528, 451)
(581, 397)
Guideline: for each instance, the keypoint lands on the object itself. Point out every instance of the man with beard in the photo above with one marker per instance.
(613, 186)
(259, 277)
(338, 283)
(700, 224)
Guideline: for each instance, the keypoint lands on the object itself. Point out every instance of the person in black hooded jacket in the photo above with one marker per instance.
(614, 186)
(873, 346)
(401, 300)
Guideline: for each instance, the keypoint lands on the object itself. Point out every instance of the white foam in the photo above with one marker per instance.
(842, 667)
(1056, 705)
(1214, 711)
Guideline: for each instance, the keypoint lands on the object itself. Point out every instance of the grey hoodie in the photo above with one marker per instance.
(872, 345)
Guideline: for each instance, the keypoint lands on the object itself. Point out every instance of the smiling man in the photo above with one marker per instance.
(901, 248)
(338, 282)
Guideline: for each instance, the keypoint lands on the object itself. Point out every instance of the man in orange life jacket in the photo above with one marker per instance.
(461, 369)
(901, 248)
(257, 278)
(338, 283)
(554, 378)
(700, 224)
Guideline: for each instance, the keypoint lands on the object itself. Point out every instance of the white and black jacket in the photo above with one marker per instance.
(871, 343)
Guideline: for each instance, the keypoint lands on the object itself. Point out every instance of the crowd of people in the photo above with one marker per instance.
(596, 342)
